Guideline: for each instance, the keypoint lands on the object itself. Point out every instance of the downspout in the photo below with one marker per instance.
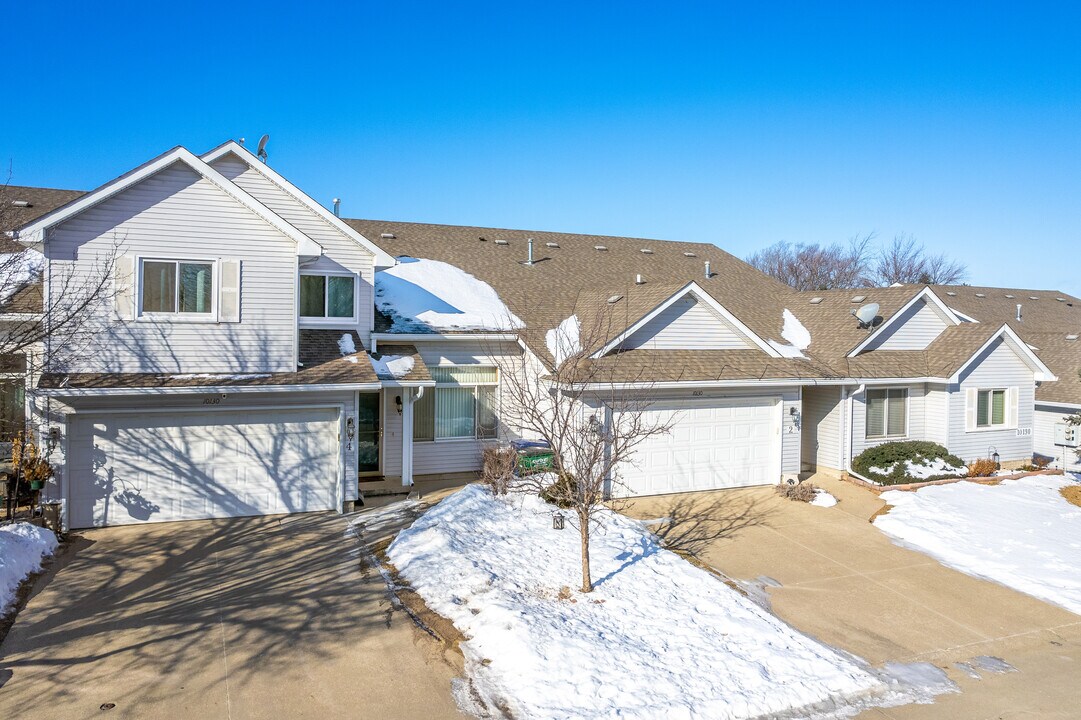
(862, 387)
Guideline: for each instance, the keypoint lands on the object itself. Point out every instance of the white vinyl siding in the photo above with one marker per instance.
(998, 367)
(176, 213)
(1044, 421)
(822, 427)
(341, 252)
(936, 415)
(915, 329)
(688, 324)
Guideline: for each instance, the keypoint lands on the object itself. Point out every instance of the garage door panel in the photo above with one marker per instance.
(185, 466)
(733, 443)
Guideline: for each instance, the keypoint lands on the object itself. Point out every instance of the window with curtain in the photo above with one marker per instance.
(887, 413)
(327, 296)
(462, 405)
(172, 286)
(990, 408)
(12, 407)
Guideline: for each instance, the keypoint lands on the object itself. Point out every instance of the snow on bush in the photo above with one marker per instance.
(897, 463)
(428, 295)
(657, 638)
(1022, 533)
(22, 548)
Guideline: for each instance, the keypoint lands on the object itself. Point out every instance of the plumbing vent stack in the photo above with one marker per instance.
(337, 207)
(638, 280)
(1018, 312)
(708, 274)
(530, 260)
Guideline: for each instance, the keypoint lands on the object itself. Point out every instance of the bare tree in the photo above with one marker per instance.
(817, 267)
(594, 413)
(905, 260)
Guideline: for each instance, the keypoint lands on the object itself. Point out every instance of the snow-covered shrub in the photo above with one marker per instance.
(803, 492)
(497, 468)
(897, 463)
(983, 467)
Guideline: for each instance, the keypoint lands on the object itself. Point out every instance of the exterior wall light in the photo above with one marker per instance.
(398, 403)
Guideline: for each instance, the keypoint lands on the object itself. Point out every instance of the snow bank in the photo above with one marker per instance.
(392, 366)
(22, 548)
(419, 294)
(19, 270)
(823, 499)
(565, 339)
(657, 638)
(1021, 533)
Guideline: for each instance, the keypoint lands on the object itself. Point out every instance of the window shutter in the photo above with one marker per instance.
(229, 292)
(124, 286)
(970, 409)
(1011, 407)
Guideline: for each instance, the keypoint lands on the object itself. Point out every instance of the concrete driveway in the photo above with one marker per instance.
(842, 581)
(247, 618)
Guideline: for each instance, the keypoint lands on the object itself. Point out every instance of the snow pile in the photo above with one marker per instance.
(658, 637)
(1021, 533)
(346, 344)
(795, 333)
(424, 295)
(924, 470)
(392, 366)
(17, 270)
(823, 499)
(564, 340)
(22, 548)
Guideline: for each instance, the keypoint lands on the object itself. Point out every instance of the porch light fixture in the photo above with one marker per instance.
(557, 521)
(398, 403)
(993, 454)
(350, 427)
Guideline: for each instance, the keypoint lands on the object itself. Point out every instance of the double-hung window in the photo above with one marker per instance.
(887, 413)
(327, 296)
(178, 287)
(463, 404)
(990, 408)
(12, 397)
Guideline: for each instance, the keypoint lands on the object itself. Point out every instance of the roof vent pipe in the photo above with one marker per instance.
(638, 280)
(708, 273)
(530, 260)
(1018, 312)
(337, 207)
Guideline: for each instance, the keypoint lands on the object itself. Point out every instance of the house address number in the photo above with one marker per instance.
(1024, 432)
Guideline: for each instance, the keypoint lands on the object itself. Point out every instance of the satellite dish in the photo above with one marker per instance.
(261, 152)
(867, 314)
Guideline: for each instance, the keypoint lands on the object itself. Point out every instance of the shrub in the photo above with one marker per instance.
(497, 468)
(984, 467)
(892, 457)
(560, 492)
(803, 492)
(1040, 462)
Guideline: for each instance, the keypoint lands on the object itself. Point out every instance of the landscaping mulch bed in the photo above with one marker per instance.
(993, 480)
(1072, 493)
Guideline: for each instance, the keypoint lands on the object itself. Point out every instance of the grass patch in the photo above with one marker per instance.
(1072, 493)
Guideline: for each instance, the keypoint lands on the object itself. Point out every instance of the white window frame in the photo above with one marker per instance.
(177, 315)
(1005, 424)
(325, 320)
(476, 405)
(886, 414)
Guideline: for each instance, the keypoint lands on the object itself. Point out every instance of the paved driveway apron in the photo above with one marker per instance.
(244, 618)
(843, 582)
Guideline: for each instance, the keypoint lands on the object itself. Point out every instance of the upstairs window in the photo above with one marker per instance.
(887, 413)
(327, 296)
(177, 287)
(461, 406)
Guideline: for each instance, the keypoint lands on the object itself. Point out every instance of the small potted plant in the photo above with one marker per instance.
(28, 461)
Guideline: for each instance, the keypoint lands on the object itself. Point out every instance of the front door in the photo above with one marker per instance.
(369, 433)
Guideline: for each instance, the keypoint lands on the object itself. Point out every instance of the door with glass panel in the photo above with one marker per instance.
(369, 433)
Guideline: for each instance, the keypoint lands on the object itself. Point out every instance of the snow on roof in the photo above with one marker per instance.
(795, 333)
(428, 295)
(392, 366)
(565, 339)
(17, 270)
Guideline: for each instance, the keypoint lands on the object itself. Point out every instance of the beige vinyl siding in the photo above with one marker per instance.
(915, 329)
(997, 367)
(688, 324)
(341, 253)
(1044, 420)
(176, 213)
(915, 426)
(822, 427)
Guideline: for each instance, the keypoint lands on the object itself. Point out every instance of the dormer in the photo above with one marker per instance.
(913, 327)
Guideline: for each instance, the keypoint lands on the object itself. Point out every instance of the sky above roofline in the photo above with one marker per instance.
(737, 126)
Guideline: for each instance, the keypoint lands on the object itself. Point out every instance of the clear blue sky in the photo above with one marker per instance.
(739, 125)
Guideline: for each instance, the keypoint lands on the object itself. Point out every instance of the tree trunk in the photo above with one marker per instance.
(583, 524)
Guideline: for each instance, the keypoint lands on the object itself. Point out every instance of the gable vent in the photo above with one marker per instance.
(646, 251)
(816, 300)
(858, 298)
(501, 242)
(600, 247)
(391, 236)
(551, 244)
(689, 254)
(614, 299)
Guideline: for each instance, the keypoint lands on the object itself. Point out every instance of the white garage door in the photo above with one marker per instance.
(157, 467)
(713, 444)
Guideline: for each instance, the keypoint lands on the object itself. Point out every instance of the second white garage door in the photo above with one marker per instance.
(157, 467)
(712, 444)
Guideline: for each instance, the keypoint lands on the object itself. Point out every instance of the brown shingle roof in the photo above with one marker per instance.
(702, 366)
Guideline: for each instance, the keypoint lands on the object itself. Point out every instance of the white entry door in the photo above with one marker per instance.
(158, 467)
(713, 444)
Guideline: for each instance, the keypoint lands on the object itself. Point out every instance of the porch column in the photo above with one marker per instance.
(407, 435)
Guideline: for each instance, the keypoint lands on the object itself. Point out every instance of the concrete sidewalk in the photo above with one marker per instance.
(247, 618)
(843, 582)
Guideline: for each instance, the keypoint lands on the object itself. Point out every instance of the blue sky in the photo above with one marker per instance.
(740, 125)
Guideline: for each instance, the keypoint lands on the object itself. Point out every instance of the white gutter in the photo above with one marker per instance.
(1059, 406)
(205, 389)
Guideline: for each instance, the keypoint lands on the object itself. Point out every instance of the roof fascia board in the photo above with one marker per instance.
(1040, 370)
(306, 247)
(382, 258)
(696, 290)
(205, 389)
(925, 293)
(1058, 405)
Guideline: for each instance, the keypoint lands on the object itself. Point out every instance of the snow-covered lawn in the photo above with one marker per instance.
(658, 637)
(22, 548)
(1021, 533)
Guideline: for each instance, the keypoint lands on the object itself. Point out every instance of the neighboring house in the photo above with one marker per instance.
(262, 355)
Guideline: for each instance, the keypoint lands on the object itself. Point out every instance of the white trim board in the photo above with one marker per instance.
(925, 294)
(1041, 372)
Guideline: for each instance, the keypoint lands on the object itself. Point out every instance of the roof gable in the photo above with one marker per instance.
(1009, 339)
(687, 324)
(913, 327)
